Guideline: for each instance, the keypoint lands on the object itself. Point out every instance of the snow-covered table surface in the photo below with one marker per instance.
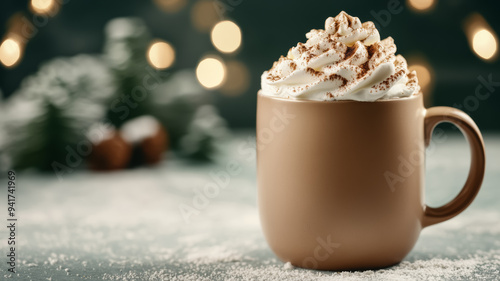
(128, 225)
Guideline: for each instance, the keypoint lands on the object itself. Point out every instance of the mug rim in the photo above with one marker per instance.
(412, 97)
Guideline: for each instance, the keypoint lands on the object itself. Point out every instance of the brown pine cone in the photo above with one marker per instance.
(147, 137)
(109, 150)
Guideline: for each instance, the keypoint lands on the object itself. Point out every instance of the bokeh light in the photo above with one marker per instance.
(237, 80)
(161, 54)
(211, 72)
(44, 6)
(10, 52)
(421, 5)
(483, 40)
(171, 6)
(484, 44)
(204, 16)
(226, 36)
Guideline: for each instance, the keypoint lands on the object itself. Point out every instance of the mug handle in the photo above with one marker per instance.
(433, 117)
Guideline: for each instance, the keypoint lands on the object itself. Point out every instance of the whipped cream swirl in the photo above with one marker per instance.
(345, 61)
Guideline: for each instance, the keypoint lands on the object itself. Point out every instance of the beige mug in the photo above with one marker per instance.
(341, 183)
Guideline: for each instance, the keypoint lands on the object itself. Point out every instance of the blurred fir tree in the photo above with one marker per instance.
(175, 101)
(125, 51)
(185, 109)
(44, 121)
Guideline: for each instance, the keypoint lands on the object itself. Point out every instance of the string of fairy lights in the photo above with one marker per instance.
(212, 72)
(482, 40)
(231, 76)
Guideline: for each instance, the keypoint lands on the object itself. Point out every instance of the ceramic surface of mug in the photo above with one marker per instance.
(341, 183)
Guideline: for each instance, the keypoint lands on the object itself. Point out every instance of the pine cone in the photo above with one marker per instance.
(109, 150)
(147, 137)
